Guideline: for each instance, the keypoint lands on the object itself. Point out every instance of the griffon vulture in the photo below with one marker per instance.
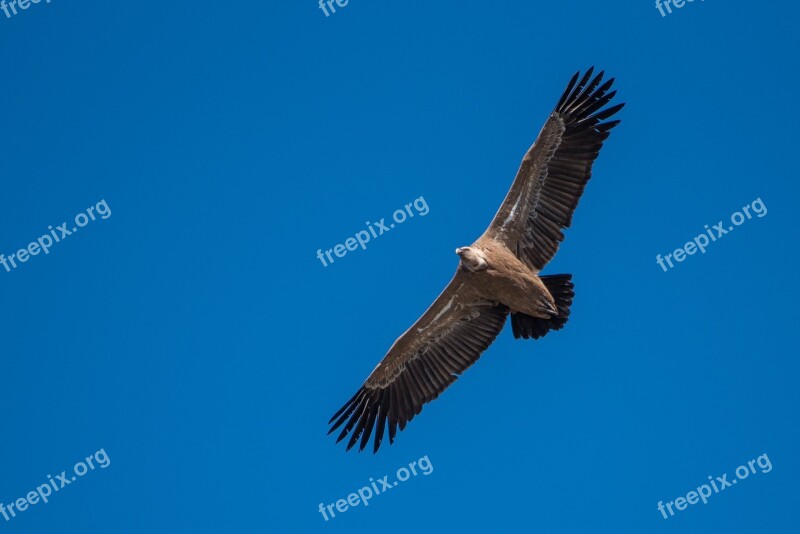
(497, 275)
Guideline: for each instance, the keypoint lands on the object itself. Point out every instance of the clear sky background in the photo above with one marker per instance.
(196, 338)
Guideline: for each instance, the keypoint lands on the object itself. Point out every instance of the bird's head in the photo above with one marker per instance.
(472, 259)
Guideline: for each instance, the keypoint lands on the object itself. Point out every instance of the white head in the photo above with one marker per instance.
(472, 259)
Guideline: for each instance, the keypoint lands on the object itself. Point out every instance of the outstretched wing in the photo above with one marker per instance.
(554, 172)
(448, 338)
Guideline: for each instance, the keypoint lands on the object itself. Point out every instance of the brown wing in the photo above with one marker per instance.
(554, 172)
(448, 338)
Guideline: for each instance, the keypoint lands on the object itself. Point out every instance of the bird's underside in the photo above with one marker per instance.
(497, 275)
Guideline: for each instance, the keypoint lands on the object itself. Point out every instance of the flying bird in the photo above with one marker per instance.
(497, 275)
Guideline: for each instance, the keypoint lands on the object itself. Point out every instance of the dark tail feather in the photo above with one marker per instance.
(525, 326)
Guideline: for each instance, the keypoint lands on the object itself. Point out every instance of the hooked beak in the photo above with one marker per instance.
(458, 251)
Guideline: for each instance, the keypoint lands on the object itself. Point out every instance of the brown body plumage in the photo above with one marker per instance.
(497, 275)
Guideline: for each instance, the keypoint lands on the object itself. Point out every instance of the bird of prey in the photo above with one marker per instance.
(497, 275)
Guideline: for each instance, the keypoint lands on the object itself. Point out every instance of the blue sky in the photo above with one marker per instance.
(196, 339)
